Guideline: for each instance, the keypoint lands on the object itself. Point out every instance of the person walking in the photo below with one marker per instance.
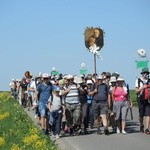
(44, 91)
(72, 105)
(100, 92)
(120, 105)
(141, 84)
(55, 108)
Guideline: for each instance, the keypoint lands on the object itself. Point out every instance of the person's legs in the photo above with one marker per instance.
(69, 117)
(103, 114)
(116, 110)
(123, 117)
(96, 111)
(147, 118)
(44, 123)
(77, 118)
(84, 116)
(141, 114)
(91, 115)
(58, 124)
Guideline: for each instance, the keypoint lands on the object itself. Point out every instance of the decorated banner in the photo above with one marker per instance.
(94, 39)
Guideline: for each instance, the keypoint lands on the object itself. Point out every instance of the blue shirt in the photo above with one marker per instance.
(45, 91)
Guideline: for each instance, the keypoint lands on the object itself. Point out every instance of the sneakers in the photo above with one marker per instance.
(118, 130)
(147, 132)
(71, 132)
(124, 132)
(53, 135)
(99, 131)
(57, 136)
(142, 129)
(46, 131)
(106, 131)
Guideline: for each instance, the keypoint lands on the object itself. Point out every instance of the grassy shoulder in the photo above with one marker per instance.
(17, 130)
(133, 97)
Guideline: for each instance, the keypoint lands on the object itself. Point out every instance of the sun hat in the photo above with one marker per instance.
(45, 75)
(69, 76)
(82, 75)
(89, 82)
(120, 79)
(113, 79)
(144, 70)
(78, 79)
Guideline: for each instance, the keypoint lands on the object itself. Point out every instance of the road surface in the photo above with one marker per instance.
(132, 141)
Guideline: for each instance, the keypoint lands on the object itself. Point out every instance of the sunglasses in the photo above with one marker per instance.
(145, 73)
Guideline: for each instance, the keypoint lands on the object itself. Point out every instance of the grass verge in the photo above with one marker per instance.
(17, 130)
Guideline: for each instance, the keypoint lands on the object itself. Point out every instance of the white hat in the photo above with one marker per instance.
(78, 80)
(120, 79)
(45, 75)
(89, 82)
(69, 76)
(81, 75)
(100, 77)
(113, 79)
(65, 76)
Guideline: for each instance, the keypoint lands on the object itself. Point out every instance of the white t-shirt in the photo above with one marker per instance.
(141, 84)
(56, 102)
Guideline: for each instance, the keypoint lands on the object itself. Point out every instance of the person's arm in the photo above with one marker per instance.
(112, 93)
(49, 105)
(138, 88)
(92, 91)
(109, 100)
(65, 92)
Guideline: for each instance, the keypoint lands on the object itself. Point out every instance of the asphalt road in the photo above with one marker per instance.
(132, 141)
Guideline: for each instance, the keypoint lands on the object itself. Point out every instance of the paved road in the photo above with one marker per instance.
(132, 141)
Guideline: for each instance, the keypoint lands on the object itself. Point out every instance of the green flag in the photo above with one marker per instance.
(54, 72)
(142, 64)
(83, 71)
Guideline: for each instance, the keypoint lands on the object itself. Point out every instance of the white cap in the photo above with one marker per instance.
(100, 77)
(89, 82)
(45, 75)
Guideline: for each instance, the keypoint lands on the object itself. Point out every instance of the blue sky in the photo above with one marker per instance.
(37, 35)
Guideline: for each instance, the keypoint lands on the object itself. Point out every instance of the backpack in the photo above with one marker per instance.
(146, 91)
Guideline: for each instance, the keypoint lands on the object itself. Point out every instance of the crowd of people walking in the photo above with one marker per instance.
(71, 104)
